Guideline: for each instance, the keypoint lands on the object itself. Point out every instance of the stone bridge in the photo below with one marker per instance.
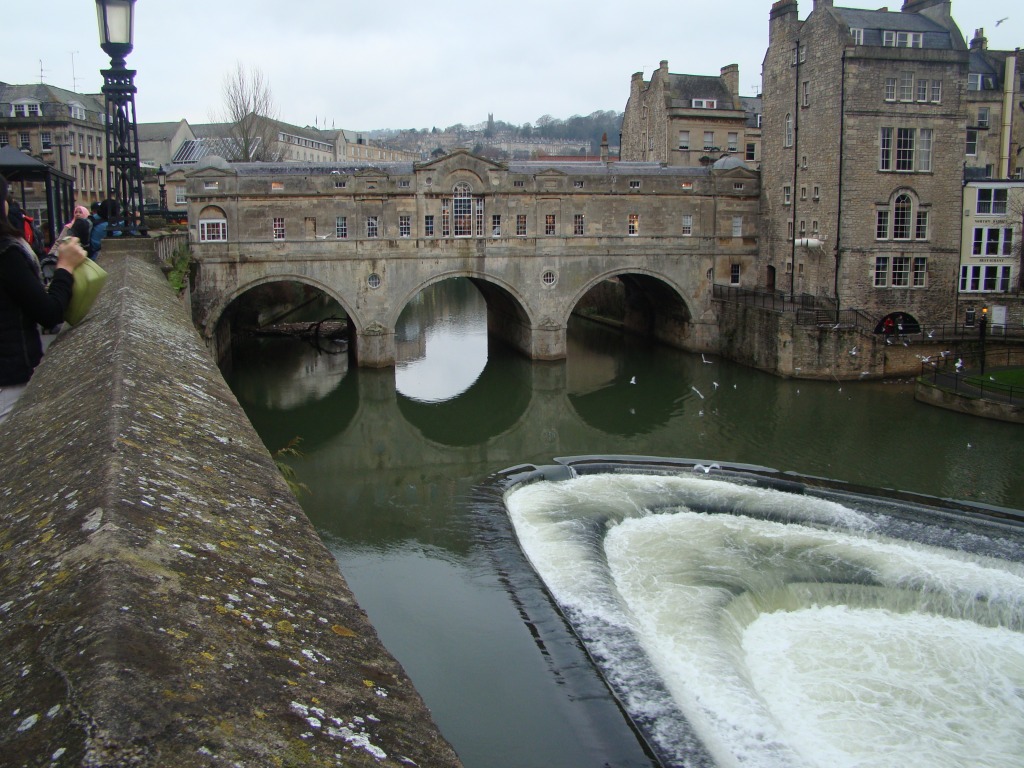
(533, 237)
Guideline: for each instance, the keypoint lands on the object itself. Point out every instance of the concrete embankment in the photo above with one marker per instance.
(163, 599)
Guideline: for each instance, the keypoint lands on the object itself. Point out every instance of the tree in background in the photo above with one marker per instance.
(251, 113)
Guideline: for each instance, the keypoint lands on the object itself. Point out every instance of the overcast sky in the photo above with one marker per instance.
(415, 64)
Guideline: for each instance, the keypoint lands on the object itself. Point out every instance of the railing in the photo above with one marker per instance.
(777, 301)
(949, 372)
(166, 245)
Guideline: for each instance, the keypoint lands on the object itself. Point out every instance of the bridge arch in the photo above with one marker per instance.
(653, 304)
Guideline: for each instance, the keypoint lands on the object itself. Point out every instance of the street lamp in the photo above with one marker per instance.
(116, 21)
(982, 327)
(161, 179)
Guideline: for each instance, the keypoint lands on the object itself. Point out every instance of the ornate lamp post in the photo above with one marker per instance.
(116, 20)
(982, 328)
(161, 179)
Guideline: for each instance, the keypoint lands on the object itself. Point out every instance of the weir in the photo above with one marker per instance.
(163, 599)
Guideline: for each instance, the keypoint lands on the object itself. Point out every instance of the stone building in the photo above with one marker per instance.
(995, 112)
(63, 129)
(990, 261)
(690, 120)
(863, 157)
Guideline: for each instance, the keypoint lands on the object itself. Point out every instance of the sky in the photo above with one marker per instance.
(411, 64)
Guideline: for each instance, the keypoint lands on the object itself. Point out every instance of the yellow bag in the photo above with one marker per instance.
(90, 277)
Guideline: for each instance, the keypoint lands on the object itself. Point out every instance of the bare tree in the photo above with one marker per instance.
(251, 113)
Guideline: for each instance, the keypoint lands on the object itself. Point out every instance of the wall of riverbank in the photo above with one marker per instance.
(163, 599)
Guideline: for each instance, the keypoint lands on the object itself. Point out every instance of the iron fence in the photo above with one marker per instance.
(950, 372)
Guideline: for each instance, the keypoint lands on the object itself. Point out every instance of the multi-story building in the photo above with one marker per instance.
(863, 154)
(995, 117)
(690, 120)
(990, 260)
(64, 129)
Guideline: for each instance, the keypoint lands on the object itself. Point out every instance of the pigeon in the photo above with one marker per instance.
(633, 380)
(704, 359)
(698, 392)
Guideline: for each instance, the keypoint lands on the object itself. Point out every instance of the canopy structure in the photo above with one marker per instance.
(24, 172)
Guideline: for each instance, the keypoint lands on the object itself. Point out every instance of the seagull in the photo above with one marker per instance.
(959, 364)
(704, 359)
(930, 334)
(707, 469)
(322, 237)
(633, 380)
(714, 384)
(865, 373)
(1002, 20)
(698, 392)
(853, 351)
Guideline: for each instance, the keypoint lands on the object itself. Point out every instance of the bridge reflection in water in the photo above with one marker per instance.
(392, 479)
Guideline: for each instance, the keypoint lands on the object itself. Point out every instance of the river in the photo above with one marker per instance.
(396, 465)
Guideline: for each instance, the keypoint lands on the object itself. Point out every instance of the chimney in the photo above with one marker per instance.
(979, 42)
(782, 8)
(731, 77)
(822, 4)
(604, 147)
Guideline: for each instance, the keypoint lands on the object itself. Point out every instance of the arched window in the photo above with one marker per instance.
(465, 212)
(213, 225)
(789, 130)
(901, 217)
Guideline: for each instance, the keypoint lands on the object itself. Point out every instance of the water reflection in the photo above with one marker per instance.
(393, 459)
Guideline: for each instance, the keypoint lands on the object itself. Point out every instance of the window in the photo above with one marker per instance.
(684, 139)
(341, 227)
(901, 218)
(885, 148)
(921, 226)
(23, 140)
(972, 141)
(738, 186)
(787, 195)
(992, 201)
(77, 111)
(211, 184)
(46, 140)
(973, 81)
(428, 225)
(788, 139)
(882, 224)
(404, 225)
(814, 228)
(904, 149)
(733, 141)
(578, 184)
(634, 224)
(737, 226)
(751, 152)
(81, 143)
(709, 141)
(993, 241)
(340, 184)
(789, 230)
(462, 210)
(936, 96)
(213, 230)
(577, 224)
(734, 274)
(922, 90)
(634, 183)
(4, 139)
(894, 39)
(403, 183)
(924, 151)
(496, 225)
(518, 184)
(858, 35)
(549, 224)
(974, 279)
(278, 228)
(816, 194)
(179, 195)
(277, 186)
(805, 94)
(983, 115)
(920, 277)
(687, 230)
(890, 89)
(372, 226)
(900, 271)
(520, 225)
(71, 142)
(906, 86)
(705, 103)
(881, 271)
(803, 53)
(803, 227)
(803, 193)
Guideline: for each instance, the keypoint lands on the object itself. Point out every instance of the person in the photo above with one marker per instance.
(25, 303)
(105, 211)
(79, 227)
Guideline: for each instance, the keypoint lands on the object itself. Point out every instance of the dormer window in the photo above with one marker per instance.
(894, 39)
(858, 35)
(705, 103)
(77, 111)
(25, 109)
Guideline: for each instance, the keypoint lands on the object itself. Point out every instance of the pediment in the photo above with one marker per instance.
(461, 159)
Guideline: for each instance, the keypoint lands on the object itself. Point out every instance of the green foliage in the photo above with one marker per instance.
(287, 470)
(180, 262)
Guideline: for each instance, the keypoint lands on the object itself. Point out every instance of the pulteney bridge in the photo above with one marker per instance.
(534, 237)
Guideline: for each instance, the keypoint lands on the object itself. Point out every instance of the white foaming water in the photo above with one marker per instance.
(814, 641)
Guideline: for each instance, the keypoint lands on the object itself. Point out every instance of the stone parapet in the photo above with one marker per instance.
(164, 601)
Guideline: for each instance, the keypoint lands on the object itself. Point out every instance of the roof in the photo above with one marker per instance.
(874, 22)
(194, 150)
(685, 88)
(49, 95)
(158, 131)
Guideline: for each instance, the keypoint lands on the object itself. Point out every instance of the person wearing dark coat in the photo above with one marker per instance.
(25, 304)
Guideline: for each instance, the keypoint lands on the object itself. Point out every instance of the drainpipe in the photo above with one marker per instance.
(839, 201)
(796, 166)
(1009, 81)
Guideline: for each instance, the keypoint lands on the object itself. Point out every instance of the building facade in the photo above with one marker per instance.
(66, 130)
(990, 262)
(863, 153)
(995, 115)
(690, 120)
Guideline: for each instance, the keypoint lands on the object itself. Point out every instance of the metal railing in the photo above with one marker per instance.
(777, 301)
(950, 372)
